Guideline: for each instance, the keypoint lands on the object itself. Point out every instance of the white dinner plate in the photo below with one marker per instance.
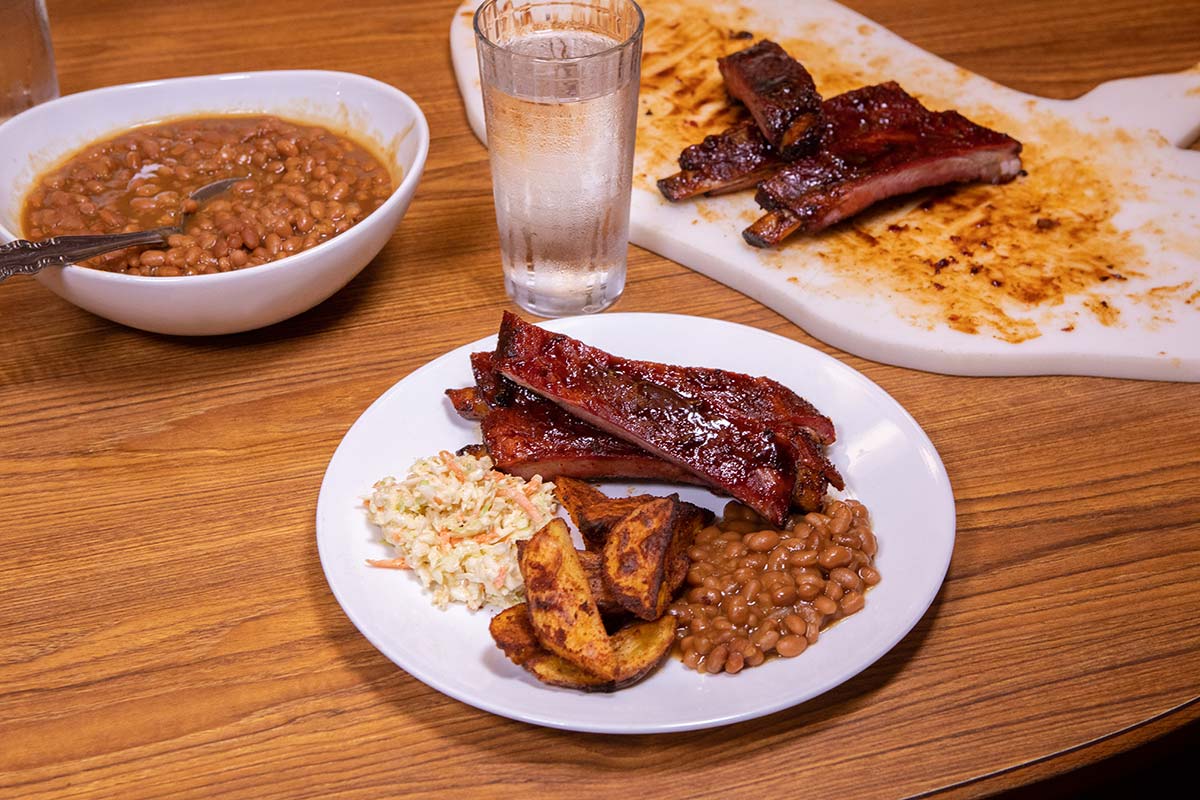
(887, 460)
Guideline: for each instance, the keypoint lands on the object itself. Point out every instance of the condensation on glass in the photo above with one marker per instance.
(560, 87)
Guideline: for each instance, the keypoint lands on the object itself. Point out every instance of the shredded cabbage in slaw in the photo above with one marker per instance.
(455, 522)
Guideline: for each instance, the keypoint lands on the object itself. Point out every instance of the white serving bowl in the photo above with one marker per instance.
(197, 305)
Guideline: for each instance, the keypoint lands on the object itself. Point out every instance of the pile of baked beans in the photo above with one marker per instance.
(754, 591)
(303, 185)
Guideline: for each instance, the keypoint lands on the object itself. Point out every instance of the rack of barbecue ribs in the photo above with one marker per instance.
(554, 406)
(856, 149)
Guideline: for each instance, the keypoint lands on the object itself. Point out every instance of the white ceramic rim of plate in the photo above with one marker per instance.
(940, 532)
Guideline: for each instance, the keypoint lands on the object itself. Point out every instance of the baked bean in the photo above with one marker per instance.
(153, 258)
(762, 541)
(835, 556)
(846, 578)
(840, 521)
(753, 589)
(809, 590)
(825, 605)
(803, 558)
(716, 659)
(142, 178)
(791, 646)
(765, 639)
(734, 550)
(819, 522)
(853, 602)
(755, 561)
(783, 596)
(777, 561)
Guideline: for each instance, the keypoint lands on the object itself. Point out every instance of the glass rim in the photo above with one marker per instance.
(634, 35)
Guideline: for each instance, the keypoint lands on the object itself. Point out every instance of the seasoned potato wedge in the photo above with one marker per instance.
(593, 567)
(561, 607)
(638, 648)
(688, 522)
(513, 633)
(636, 552)
(593, 512)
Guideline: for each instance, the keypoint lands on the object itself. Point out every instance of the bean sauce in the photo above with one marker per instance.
(754, 591)
(304, 185)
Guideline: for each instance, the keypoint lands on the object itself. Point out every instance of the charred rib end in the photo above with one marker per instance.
(679, 186)
(772, 228)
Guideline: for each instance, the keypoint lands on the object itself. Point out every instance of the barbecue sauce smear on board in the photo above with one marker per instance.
(1001, 261)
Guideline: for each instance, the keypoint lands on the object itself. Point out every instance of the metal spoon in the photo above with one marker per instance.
(22, 257)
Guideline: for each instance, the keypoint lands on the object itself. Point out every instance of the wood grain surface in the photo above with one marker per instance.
(165, 628)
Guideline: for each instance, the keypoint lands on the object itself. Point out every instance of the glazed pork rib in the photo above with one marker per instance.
(731, 393)
(779, 93)
(735, 159)
(526, 435)
(735, 454)
(878, 142)
(542, 439)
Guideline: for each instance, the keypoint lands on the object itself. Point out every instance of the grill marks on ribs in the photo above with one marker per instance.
(779, 93)
(734, 159)
(737, 455)
(878, 142)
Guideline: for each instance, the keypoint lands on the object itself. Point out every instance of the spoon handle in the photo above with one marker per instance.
(23, 257)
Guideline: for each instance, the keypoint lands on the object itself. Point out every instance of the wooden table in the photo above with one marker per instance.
(167, 630)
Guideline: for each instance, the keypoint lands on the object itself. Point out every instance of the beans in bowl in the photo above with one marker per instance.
(304, 185)
(754, 591)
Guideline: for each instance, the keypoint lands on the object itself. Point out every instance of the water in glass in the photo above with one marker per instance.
(561, 143)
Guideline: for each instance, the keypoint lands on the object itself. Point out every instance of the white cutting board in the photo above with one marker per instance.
(1089, 265)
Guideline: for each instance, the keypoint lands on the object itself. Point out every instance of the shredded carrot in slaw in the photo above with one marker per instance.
(520, 499)
(389, 563)
(499, 582)
(453, 522)
(448, 459)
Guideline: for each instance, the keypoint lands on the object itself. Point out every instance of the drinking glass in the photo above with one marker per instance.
(560, 87)
(27, 74)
